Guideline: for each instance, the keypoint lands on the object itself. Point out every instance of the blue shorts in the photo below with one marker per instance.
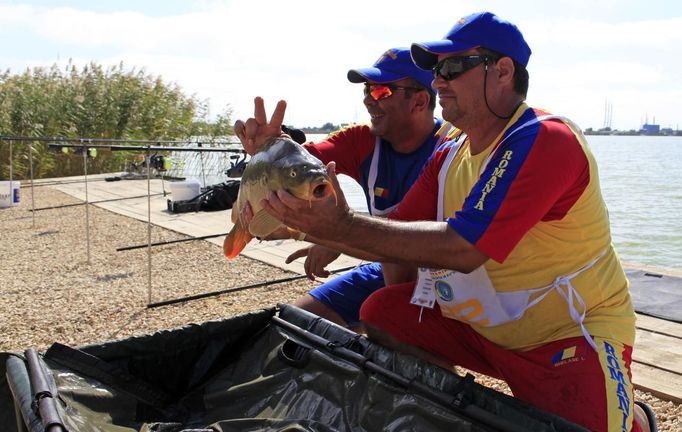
(344, 294)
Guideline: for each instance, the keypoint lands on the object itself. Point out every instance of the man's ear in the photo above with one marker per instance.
(421, 100)
(505, 70)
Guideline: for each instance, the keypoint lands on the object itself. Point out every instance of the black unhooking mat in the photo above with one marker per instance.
(271, 370)
(656, 295)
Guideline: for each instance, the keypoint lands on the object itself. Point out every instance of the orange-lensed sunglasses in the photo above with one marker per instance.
(383, 91)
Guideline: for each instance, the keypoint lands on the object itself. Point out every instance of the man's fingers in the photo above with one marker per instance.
(278, 115)
(287, 199)
(298, 254)
(259, 110)
(317, 269)
(251, 128)
(239, 128)
(274, 206)
(338, 193)
(331, 170)
(309, 270)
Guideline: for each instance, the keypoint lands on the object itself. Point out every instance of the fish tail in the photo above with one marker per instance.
(236, 241)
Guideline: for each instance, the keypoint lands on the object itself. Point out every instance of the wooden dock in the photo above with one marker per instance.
(657, 355)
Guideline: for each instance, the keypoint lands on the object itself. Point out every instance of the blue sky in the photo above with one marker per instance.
(585, 52)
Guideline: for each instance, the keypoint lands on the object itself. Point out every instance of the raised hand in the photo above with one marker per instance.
(257, 131)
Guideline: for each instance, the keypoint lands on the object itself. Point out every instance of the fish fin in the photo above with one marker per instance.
(236, 240)
(263, 224)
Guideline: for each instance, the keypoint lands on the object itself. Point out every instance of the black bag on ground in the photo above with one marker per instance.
(216, 197)
(220, 196)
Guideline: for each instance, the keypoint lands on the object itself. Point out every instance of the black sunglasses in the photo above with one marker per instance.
(383, 91)
(452, 67)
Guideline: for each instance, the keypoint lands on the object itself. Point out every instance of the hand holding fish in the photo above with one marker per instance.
(257, 131)
(280, 163)
(328, 218)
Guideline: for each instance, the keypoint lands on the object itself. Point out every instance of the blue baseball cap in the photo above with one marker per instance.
(483, 29)
(393, 65)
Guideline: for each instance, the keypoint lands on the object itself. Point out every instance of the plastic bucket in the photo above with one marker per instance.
(185, 190)
(10, 193)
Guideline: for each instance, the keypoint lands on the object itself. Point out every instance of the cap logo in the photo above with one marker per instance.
(384, 57)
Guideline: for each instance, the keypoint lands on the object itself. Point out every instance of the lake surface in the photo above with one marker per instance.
(642, 187)
(640, 181)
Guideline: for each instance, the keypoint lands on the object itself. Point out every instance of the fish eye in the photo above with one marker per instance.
(293, 173)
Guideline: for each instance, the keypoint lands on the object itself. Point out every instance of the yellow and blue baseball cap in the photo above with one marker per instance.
(482, 29)
(393, 65)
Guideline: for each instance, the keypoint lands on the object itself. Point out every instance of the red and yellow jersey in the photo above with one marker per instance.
(532, 203)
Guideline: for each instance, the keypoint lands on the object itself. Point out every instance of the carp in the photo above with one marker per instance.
(281, 164)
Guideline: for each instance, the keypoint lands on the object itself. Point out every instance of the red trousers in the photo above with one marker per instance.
(565, 377)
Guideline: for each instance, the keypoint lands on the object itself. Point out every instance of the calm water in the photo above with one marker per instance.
(643, 193)
(639, 181)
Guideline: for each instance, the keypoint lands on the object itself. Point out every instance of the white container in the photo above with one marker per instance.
(185, 190)
(9, 193)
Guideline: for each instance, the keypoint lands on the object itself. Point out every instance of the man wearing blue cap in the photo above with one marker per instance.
(385, 158)
(519, 259)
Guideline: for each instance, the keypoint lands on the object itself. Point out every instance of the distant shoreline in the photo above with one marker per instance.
(631, 133)
(588, 131)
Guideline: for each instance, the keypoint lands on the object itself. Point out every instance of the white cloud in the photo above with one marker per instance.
(231, 51)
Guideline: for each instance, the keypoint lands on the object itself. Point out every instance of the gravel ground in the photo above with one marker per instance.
(49, 292)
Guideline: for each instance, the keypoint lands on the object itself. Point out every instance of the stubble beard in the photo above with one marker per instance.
(378, 131)
(452, 113)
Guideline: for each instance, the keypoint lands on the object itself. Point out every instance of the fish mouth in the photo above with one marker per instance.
(322, 189)
(317, 189)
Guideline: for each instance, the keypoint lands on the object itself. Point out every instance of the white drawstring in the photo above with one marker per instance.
(566, 280)
(578, 318)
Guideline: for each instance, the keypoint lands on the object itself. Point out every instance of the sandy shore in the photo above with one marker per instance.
(50, 293)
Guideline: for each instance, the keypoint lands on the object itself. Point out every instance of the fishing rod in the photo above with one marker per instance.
(167, 242)
(54, 183)
(108, 179)
(108, 140)
(241, 288)
(92, 202)
(198, 149)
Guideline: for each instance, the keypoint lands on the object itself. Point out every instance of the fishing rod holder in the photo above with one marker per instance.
(77, 149)
(157, 148)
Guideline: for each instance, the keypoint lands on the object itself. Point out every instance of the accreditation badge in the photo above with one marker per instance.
(424, 294)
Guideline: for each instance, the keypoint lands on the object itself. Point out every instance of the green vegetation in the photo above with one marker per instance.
(94, 102)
